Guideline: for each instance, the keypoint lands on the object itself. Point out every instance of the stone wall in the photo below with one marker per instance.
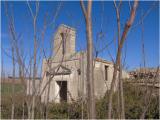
(76, 62)
(68, 41)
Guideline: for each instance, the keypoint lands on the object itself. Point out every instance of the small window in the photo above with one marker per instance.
(63, 43)
(106, 72)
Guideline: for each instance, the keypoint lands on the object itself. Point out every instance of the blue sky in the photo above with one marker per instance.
(71, 14)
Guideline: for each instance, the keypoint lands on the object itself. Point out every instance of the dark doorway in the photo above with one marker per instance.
(63, 90)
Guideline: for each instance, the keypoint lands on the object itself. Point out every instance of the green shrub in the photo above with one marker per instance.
(58, 111)
(133, 96)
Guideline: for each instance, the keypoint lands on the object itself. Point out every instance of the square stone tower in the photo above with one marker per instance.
(64, 42)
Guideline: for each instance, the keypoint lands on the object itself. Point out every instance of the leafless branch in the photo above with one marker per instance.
(118, 57)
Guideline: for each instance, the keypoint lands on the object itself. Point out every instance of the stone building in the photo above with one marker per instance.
(67, 70)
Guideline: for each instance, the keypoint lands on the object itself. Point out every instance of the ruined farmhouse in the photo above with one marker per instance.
(67, 71)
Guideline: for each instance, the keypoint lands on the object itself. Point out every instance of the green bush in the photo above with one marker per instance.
(134, 103)
(58, 111)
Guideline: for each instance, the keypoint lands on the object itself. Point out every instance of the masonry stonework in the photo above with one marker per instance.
(69, 70)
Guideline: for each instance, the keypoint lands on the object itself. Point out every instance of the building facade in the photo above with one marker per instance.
(66, 71)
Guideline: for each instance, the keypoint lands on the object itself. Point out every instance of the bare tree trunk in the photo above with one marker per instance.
(15, 52)
(29, 90)
(118, 100)
(35, 55)
(90, 79)
(34, 69)
(120, 83)
(48, 93)
(116, 65)
(146, 92)
(29, 111)
(121, 93)
(119, 37)
(23, 110)
(13, 83)
(34, 73)
(82, 66)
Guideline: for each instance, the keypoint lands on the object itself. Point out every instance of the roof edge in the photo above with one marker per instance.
(102, 60)
(66, 26)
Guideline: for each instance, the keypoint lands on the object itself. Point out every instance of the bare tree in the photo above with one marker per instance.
(13, 62)
(148, 92)
(120, 81)
(118, 56)
(13, 83)
(31, 70)
(90, 80)
(34, 17)
(148, 96)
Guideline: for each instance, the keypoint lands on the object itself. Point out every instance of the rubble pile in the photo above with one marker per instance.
(144, 73)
